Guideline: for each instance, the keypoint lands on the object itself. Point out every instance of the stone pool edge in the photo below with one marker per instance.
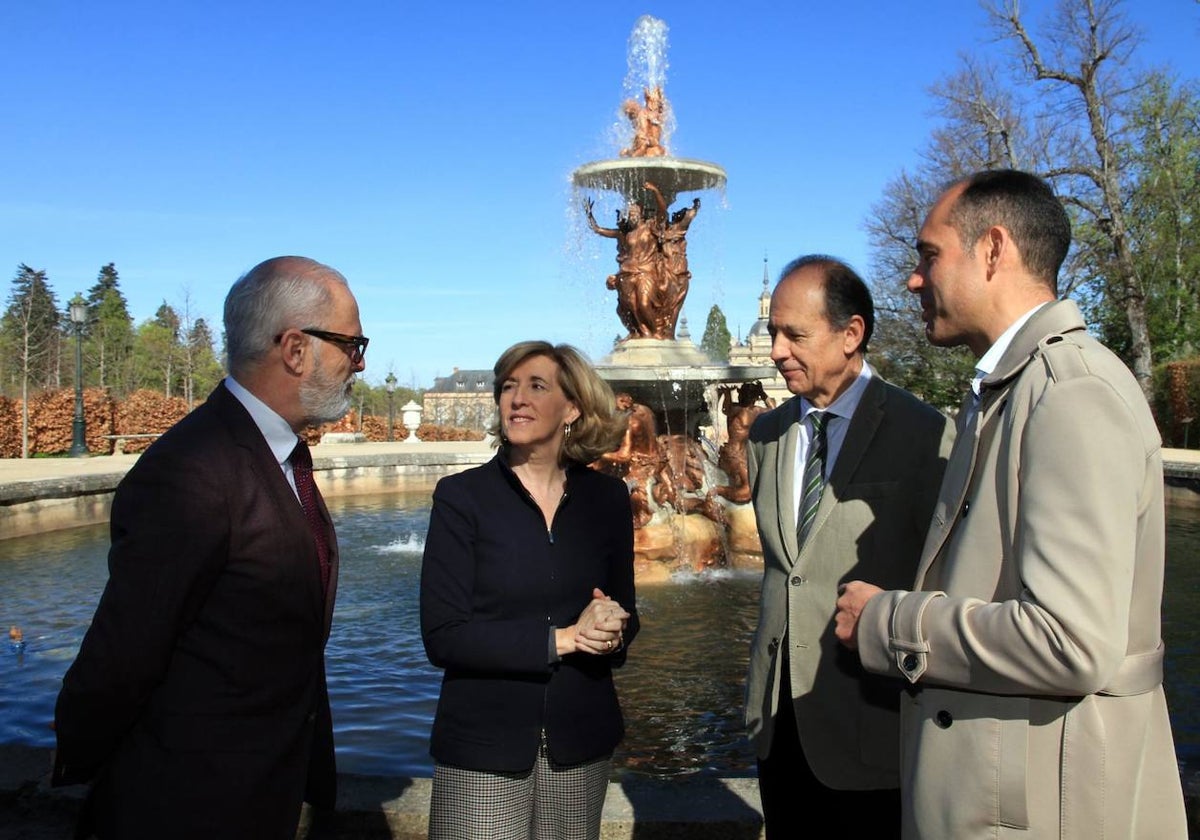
(376, 807)
(38, 495)
(371, 807)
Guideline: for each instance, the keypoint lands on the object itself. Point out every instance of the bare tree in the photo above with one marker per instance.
(1081, 61)
(982, 128)
(899, 349)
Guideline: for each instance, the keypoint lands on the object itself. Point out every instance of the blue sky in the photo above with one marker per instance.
(425, 149)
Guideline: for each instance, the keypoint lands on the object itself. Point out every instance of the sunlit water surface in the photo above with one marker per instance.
(681, 688)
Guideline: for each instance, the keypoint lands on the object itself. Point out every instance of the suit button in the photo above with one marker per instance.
(910, 662)
(966, 508)
(312, 717)
(797, 580)
(943, 719)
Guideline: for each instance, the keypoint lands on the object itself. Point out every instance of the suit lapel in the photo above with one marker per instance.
(859, 435)
(863, 426)
(785, 472)
(331, 537)
(972, 438)
(287, 508)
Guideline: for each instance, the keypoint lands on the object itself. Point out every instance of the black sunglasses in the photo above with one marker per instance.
(355, 345)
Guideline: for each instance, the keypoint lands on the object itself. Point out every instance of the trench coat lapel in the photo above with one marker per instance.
(1058, 317)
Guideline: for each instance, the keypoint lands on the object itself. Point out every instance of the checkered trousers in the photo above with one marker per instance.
(549, 802)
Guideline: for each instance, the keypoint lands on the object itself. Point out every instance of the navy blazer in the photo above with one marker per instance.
(198, 702)
(494, 581)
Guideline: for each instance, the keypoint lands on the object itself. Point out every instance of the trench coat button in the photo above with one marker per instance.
(943, 719)
(910, 662)
(966, 508)
(797, 580)
(773, 646)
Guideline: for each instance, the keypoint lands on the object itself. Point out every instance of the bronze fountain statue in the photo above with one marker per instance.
(689, 512)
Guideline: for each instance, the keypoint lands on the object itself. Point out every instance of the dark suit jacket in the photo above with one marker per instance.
(493, 582)
(870, 524)
(197, 704)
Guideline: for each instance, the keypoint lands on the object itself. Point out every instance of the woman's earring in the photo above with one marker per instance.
(566, 430)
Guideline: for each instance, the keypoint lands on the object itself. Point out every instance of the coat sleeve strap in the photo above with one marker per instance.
(906, 640)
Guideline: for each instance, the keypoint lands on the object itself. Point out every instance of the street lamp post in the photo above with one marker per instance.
(78, 431)
(390, 383)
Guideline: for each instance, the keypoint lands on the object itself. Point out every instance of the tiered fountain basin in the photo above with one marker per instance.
(672, 176)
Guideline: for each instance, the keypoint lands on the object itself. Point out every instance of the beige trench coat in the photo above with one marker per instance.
(1033, 644)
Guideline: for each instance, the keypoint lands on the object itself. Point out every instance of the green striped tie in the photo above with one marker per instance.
(814, 474)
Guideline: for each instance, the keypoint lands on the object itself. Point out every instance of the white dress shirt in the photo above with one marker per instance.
(839, 413)
(278, 432)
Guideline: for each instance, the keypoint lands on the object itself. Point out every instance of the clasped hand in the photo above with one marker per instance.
(600, 628)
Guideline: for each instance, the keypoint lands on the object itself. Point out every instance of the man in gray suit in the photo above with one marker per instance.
(844, 477)
(1032, 635)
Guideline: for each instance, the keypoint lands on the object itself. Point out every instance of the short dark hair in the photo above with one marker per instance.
(1027, 207)
(846, 295)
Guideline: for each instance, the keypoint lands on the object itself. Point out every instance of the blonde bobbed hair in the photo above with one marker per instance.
(599, 427)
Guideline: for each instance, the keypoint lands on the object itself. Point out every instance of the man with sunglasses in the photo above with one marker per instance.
(197, 706)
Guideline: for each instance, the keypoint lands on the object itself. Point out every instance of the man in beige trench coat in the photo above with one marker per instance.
(1031, 641)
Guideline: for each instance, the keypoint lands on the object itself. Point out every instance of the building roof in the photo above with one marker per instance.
(464, 381)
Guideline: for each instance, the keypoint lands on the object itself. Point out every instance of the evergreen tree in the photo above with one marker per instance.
(109, 332)
(206, 371)
(31, 338)
(106, 281)
(717, 340)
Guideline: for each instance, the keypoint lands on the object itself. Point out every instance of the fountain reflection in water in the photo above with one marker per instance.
(681, 689)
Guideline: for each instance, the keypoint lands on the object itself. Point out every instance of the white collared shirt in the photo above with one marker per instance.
(988, 361)
(281, 440)
(839, 412)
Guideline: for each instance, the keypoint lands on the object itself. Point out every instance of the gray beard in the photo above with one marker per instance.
(323, 400)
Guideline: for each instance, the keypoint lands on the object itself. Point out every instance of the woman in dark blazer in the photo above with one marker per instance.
(527, 602)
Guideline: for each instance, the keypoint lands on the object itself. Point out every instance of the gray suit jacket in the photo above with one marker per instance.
(871, 524)
(1036, 647)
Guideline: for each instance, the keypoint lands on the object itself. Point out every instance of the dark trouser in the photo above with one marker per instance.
(795, 803)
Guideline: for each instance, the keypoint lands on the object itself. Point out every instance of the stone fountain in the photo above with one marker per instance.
(687, 480)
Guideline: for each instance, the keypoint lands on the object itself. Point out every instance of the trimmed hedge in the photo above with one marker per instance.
(52, 416)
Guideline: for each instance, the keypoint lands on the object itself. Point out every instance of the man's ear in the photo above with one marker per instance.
(294, 351)
(852, 335)
(997, 244)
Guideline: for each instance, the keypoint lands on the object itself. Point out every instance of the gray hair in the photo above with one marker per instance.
(276, 294)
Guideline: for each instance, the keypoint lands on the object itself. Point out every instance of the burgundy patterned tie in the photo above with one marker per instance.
(302, 467)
